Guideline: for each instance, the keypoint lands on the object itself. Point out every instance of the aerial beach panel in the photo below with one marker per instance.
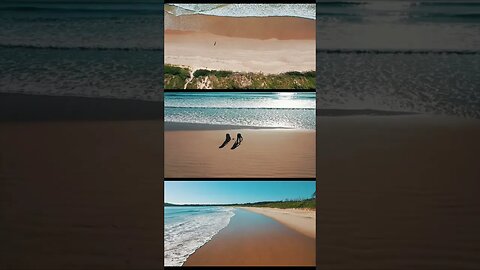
(250, 46)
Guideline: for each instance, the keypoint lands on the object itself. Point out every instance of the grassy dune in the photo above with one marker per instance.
(176, 77)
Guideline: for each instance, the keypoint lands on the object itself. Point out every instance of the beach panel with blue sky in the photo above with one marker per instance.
(223, 222)
(240, 134)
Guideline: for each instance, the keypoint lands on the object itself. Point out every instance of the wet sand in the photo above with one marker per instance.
(252, 239)
(263, 153)
(398, 192)
(80, 194)
(301, 220)
(268, 45)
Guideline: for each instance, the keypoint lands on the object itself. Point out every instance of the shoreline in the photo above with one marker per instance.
(252, 239)
(300, 220)
(184, 126)
(263, 28)
(269, 45)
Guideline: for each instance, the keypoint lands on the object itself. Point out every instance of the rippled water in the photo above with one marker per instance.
(272, 110)
(445, 83)
(108, 49)
(412, 56)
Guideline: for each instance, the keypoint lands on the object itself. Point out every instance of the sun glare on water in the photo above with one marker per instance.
(285, 95)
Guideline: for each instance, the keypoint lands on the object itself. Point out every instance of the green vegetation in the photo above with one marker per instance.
(176, 77)
(285, 204)
(309, 203)
(214, 73)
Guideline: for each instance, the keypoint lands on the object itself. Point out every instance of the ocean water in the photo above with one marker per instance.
(399, 25)
(82, 48)
(412, 56)
(244, 10)
(268, 110)
(189, 228)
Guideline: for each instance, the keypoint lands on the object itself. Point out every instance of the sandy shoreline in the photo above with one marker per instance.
(252, 239)
(80, 194)
(281, 28)
(263, 153)
(267, 45)
(301, 220)
(398, 192)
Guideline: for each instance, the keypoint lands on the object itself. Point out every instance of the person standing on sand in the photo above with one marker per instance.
(238, 141)
(227, 139)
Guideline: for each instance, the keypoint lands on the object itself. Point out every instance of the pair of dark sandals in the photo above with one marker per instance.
(237, 143)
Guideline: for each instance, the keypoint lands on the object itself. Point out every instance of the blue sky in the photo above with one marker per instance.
(220, 192)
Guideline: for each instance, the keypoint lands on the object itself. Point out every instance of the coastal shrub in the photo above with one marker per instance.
(201, 72)
(183, 73)
(173, 82)
(309, 74)
(238, 80)
(223, 73)
(294, 73)
(217, 73)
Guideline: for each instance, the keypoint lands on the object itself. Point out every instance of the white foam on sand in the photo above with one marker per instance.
(307, 11)
(191, 230)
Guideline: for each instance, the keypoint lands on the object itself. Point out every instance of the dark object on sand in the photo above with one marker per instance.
(215, 43)
(227, 139)
(238, 141)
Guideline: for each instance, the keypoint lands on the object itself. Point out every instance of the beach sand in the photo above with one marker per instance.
(301, 220)
(263, 153)
(268, 45)
(80, 194)
(398, 192)
(252, 239)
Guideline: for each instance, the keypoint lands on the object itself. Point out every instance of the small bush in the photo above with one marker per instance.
(217, 73)
(183, 73)
(201, 72)
(222, 73)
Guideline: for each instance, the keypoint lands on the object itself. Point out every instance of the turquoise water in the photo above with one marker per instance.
(188, 228)
(269, 110)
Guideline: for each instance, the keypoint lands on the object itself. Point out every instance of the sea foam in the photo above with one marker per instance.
(189, 228)
(246, 10)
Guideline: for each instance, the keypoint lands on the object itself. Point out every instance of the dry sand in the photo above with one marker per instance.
(301, 220)
(81, 195)
(263, 153)
(268, 45)
(255, 240)
(77, 192)
(398, 192)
